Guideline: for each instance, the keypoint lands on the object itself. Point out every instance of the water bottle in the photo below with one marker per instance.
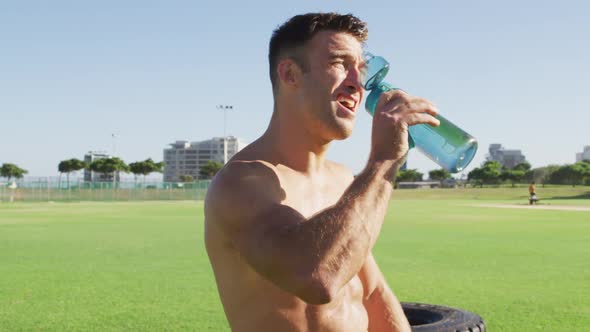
(447, 145)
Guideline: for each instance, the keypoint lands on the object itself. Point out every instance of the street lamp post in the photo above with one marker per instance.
(114, 137)
(225, 108)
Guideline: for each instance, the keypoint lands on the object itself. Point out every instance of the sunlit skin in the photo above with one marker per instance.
(289, 234)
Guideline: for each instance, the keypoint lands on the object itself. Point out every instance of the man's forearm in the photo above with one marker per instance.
(315, 257)
(364, 204)
(343, 234)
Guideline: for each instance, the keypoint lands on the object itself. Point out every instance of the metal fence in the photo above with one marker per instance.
(49, 189)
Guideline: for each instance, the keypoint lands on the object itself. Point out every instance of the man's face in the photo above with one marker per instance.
(331, 91)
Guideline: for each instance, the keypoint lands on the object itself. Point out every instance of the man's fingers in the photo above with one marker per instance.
(423, 106)
(428, 112)
(431, 120)
(389, 98)
(416, 111)
(413, 118)
(398, 100)
(422, 118)
(412, 110)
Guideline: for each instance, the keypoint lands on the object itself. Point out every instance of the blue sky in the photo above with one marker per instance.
(72, 73)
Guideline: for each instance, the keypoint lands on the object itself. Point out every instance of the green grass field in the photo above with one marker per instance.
(142, 266)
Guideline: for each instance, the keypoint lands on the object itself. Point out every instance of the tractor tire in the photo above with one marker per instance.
(436, 318)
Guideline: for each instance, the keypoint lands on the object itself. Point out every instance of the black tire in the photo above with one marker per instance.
(436, 318)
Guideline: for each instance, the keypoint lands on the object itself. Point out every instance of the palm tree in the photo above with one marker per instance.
(108, 166)
(145, 168)
(70, 165)
(12, 171)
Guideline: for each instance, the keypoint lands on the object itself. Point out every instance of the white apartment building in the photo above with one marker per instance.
(508, 158)
(187, 158)
(584, 155)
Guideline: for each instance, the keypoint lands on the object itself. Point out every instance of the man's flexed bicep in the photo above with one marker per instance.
(244, 200)
(313, 258)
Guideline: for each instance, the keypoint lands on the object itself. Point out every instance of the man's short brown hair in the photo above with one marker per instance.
(288, 39)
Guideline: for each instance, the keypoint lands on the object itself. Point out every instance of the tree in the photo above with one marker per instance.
(70, 165)
(489, 173)
(145, 168)
(186, 178)
(586, 164)
(408, 175)
(109, 166)
(476, 177)
(524, 166)
(543, 174)
(10, 171)
(513, 175)
(137, 168)
(571, 174)
(209, 170)
(581, 172)
(439, 174)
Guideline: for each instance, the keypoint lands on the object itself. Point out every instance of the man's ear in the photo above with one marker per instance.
(289, 72)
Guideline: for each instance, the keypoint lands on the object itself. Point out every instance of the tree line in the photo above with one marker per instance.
(110, 168)
(493, 173)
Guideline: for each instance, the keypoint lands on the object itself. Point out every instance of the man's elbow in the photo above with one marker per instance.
(318, 291)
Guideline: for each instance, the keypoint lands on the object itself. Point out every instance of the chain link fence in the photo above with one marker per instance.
(50, 189)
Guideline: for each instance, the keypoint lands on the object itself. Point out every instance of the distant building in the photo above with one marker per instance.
(584, 155)
(418, 184)
(508, 158)
(187, 158)
(90, 176)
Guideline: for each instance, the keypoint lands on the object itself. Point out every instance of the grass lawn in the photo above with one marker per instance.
(142, 265)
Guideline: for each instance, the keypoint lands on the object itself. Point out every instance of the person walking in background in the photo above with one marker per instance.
(532, 194)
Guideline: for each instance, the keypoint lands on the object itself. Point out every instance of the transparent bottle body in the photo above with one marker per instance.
(447, 145)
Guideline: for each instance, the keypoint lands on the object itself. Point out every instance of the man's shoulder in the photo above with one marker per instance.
(249, 164)
(243, 175)
(243, 184)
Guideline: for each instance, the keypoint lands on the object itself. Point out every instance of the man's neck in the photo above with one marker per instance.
(293, 145)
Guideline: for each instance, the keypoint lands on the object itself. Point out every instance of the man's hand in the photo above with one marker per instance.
(394, 113)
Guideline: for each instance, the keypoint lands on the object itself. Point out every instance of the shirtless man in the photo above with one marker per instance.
(289, 234)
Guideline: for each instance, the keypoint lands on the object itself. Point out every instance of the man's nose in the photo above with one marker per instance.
(354, 80)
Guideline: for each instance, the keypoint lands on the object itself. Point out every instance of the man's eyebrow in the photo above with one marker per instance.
(348, 56)
(344, 55)
(340, 54)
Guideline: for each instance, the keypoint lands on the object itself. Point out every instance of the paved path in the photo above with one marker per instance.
(537, 207)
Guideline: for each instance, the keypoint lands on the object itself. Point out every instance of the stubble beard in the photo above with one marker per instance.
(324, 120)
(333, 126)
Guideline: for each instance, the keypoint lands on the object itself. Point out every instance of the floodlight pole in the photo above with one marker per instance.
(225, 108)
(114, 136)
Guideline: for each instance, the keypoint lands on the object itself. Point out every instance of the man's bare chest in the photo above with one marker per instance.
(310, 197)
